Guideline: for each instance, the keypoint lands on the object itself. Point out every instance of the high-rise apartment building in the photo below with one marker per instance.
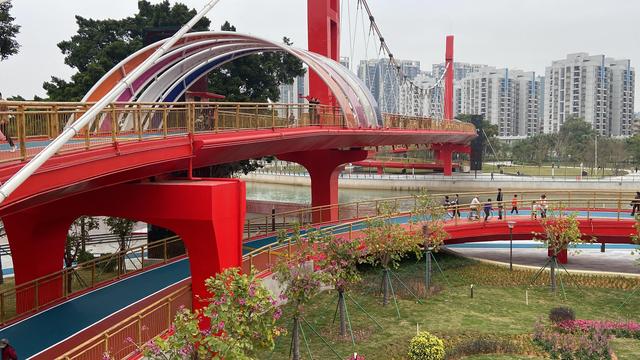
(460, 70)
(507, 98)
(596, 88)
(385, 82)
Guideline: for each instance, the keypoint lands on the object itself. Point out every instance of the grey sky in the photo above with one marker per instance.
(519, 34)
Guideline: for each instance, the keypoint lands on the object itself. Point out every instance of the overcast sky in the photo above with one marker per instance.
(518, 34)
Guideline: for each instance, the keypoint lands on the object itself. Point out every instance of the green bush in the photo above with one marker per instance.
(560, 314)
(425, 346)
(84, 256)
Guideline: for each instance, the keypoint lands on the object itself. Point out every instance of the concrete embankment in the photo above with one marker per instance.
(455, 183)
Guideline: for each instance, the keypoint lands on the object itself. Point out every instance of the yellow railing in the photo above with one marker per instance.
(269, 224)
(84, 276)
(33, 124)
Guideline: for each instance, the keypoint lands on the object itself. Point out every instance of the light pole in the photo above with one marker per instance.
(511, 224)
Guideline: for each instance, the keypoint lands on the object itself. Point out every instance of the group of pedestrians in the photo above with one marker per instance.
(485, 210)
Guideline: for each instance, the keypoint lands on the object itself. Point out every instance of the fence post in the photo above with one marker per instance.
(257, 118)
(138, 116)
(21, 132)
(619, 204)
(165, 119)
(37, 299)
(114, 123)
(273, 117)
(93, 273)
(237, 116)
(87, 134)
(215, 117)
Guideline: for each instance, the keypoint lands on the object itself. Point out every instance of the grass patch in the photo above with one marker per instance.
(496, 320)
(626, 349)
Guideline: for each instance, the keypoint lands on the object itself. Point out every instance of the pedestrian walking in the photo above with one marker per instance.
(514, 204)
(474, 208)
(4, 125)
(635, 203)
(499, 200)
(534, 210)
(543, 206)
(487, 210)
(7, 351)
(446, 204)
(492, 175)
(456, 206)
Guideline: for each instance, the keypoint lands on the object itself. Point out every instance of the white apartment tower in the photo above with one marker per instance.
(507, 98)
(596, 88)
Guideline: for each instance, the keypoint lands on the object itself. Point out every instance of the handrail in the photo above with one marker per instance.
(65, 278)
(129, 121)
(271, 221)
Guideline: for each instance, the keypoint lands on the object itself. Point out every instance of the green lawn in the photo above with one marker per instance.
(532, 170)
(627, 349)
(497, 313)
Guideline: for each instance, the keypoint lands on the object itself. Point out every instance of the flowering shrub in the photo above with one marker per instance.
(566, 346)
(625, 329)
(561, 313)
(425, 346)
(242, 316)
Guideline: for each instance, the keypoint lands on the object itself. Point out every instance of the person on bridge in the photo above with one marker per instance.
(456, 206)
(7, 351)
(635, 203)
(514, 204)
(474, 208)
(543, 206)
(487, 210)
(499, 199)
(4, 125)
(446, 204)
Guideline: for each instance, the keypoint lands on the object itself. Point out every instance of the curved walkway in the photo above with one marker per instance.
(52, 326)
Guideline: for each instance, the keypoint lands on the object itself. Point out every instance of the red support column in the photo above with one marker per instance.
(324, 166)
(448, 80)
(443, 153)
(207, 215)
(323, 22)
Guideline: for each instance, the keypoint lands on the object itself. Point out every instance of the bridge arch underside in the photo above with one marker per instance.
(196, 54)
(207, 215)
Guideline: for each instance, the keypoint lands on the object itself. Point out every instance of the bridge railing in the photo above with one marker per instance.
(264, 225)
(34, 124)
(27, 298)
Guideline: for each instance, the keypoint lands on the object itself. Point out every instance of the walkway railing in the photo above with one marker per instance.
(268, 224)
(85, 276)
(34, 124)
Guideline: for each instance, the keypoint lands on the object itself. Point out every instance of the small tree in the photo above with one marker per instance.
(387, 242)
(122, 228)
(8, 31)
(299, 276)
(242, 317)
(428, 226)
(559, 233)
(76, 242)
(340, 257)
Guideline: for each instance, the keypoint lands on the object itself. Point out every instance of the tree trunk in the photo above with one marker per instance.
(343, 313)
(385, 287)
(295, 339)
(428, 272)
(121, 257)
(552, 273)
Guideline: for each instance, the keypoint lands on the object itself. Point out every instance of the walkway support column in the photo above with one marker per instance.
(444, 152)
(323, 22)
(208, 215)
(562, 256)
(324, 166)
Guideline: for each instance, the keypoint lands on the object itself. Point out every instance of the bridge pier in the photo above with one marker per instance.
(444, 153)
(562, 256)
(324, 166)
(208, 215)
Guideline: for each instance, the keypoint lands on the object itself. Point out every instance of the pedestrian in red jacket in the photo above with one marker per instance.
(7, 351)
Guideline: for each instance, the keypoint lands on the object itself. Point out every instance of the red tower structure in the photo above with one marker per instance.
(448, 80)
(323, 22)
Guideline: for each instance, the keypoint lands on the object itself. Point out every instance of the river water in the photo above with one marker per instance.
(302, 194)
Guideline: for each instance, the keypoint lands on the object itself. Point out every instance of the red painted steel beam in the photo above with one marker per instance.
(448, 80)
(323, 24)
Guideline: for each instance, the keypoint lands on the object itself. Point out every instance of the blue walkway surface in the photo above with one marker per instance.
(47, 328)
(39, 332)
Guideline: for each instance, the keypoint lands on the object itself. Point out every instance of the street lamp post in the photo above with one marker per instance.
(511, 224)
